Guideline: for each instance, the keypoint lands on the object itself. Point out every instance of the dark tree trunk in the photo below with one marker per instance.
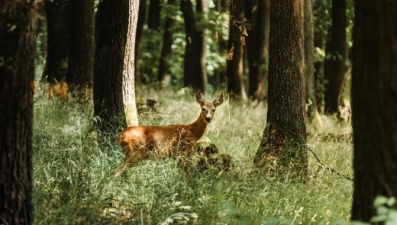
(235, 67)
(58, 37)
(17, 52)
(114, 62)
(81, 52)
(139, 29)
(257, 44)
(374, 102)
(312, 113)
(154, 14)
(167, 43)
(334, 67)
(283, 143)
(194, 67)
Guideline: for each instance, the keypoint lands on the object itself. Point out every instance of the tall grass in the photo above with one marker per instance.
(74, 174)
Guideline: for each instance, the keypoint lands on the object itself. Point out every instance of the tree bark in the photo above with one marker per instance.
(18, 26)
(282, 148)
(234, 70)
(257, 44)
(58, 37)
(139, 29)
(334, 66)
(166, 45)
(374, 103)
(114, 90)
(312, 113)
(81, 52)
(154, 14)
(195, 75)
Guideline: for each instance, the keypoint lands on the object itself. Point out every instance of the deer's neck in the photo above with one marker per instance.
(198, 127)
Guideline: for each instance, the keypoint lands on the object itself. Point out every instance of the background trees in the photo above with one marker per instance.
(17, 47)
(374, 95)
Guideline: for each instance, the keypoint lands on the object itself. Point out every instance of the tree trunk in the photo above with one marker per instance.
(282, 148)
(319, 72)
(58, 37)
(257, 47)
(154, 14)
(312, 112)
(166, 47)
(139, 29)
(374, 103)
(234, 71)
(114, 91)
(334, 67)
(18, 26)
(195, 75)
(81, 52)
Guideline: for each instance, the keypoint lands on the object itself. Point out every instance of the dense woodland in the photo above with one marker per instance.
(305, 132)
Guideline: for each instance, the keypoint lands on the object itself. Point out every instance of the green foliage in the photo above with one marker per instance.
(74, 173)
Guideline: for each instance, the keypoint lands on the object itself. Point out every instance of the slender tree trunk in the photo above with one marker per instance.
(139, 29)
(319, 72)
(58, 37)
(374, 93)
(81, 53)
(283, 143)
(154, 14)
(312, 112)
(166, 47)
(194, 68)
(114, 91)
(234, 71)
(334, 70)
(256, 48)
(17, 53)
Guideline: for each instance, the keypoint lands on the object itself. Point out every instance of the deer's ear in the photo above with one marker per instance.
(200, 97)
(218, 101)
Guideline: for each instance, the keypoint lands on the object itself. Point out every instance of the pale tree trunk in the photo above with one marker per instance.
(374, 105)
(17, 52)
(283, 145)
(114, 91)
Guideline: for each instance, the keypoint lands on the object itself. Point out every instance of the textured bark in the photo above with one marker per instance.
(114, 91)
(234, 71)
(58, 37)
(81, 52)
(139, 29)
(17, 53)
(283, 143)
(195, 75)
(257, 47)
(334, 67)
(312, 113)
(166, 45)
(374, 103)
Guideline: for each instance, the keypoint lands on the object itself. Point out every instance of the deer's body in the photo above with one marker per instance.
(176, 141)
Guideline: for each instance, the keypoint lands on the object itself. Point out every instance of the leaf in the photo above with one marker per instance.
(379, 218)
(392, 217)
(379, 201)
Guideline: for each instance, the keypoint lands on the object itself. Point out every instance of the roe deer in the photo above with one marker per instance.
(176, 141)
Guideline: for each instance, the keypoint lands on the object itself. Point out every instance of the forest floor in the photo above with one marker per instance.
(74, 171)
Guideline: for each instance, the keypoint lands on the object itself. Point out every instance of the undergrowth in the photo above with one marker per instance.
(74, 173)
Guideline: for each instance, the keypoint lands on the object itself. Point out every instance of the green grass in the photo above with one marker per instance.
(74, 175)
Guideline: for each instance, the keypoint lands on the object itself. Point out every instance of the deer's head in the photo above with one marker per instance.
(208, 108)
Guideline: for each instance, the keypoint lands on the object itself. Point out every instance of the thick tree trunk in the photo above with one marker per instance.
(166, 47)
(58, 37)
(283, 143)
(114, 91)
(81, 53)
(195, 75)
(334, 67)
(312, 112)
(374, 103)
(257, 47)
(17, 53)
(234, 71)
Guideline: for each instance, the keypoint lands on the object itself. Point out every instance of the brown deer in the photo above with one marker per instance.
(176, 141)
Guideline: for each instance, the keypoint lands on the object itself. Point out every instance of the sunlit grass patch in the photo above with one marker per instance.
(75, 184)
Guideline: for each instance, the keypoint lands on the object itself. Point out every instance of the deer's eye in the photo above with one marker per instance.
(203, 109)
(213, 110)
